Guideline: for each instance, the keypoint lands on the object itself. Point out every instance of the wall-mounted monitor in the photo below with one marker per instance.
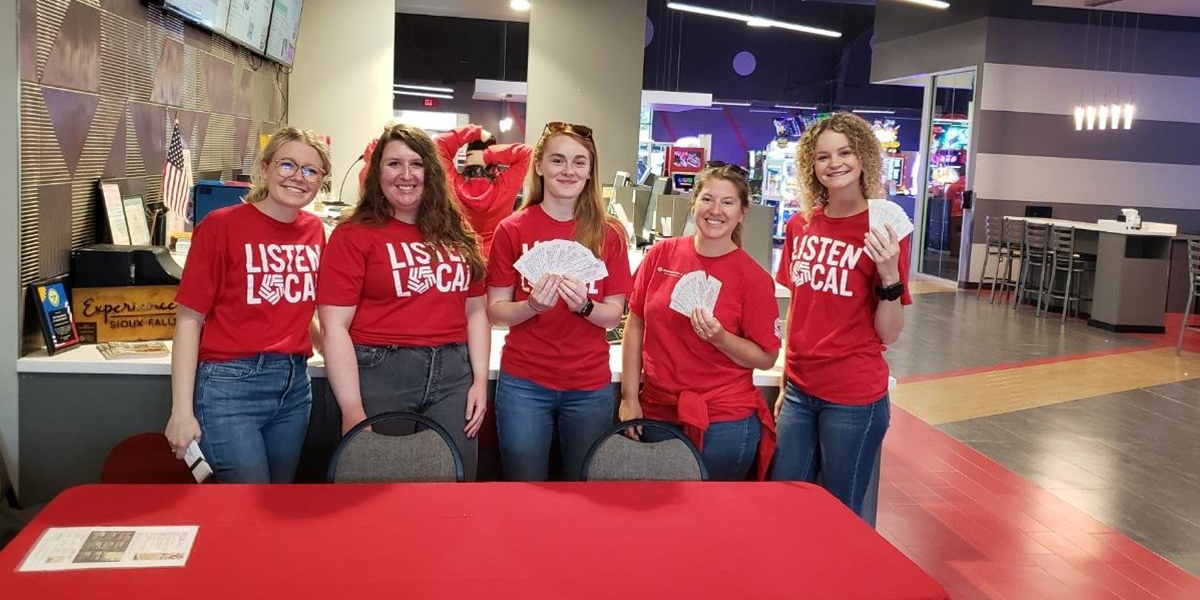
(248, 22)
(285, 28)
(209, 14)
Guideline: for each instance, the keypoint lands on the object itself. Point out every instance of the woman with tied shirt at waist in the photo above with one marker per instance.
(698, 370)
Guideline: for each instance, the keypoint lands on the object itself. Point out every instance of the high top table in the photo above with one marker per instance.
(1133, 267)
(498, 541)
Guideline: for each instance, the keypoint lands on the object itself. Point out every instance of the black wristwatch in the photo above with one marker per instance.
(890, 292)
(586, 309)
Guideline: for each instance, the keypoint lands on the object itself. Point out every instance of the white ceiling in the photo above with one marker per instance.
(1180, 8)
(495, 10)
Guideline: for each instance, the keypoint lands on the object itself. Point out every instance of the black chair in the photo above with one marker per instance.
(1073, 265)
(1193, 290)
(614, 457)
(1037, 255)
(370, 457)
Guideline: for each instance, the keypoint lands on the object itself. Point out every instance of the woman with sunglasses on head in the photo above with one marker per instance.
(848, 295)
(402, 298)
(485, 193)
(243, 330)
(697, 370)
(554, 371)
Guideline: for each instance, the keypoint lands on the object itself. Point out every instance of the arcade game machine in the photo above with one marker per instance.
(684, 164)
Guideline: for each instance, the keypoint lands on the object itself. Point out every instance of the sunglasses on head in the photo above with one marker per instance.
(559, 127)
(717, 164)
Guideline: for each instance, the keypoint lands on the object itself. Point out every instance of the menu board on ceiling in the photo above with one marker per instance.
(285, 28)
(248, 22)
(209, 14)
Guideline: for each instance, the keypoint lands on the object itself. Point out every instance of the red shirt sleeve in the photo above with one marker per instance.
(760, 311)
(448, 144)
(500, 261)
(204, 271)
(343, 268)
(641, 281)
(616, 260)
(517, 157)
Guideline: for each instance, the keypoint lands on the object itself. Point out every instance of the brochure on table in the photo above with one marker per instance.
(76, 548)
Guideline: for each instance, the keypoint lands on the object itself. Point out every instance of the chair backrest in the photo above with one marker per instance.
(614, 457)
(369, 457)
(1062, 242)
(1194, 259)
(993, 230)
(1037, 236)
(1014, 232)
(144, 458)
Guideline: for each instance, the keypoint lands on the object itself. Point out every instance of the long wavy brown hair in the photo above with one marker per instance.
(439, 218)
(258, 176)
(863, 143)
(728, 173)
(590, 218)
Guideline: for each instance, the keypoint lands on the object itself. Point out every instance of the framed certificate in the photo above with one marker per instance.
(54, 314)
(135, 216)
(114, 211)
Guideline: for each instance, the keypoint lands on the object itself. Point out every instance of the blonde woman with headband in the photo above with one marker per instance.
(848, 289)
(698, 369)
(239, 365)
(554, 372)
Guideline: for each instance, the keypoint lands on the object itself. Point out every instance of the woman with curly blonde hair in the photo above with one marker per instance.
(401, 297)
(848, 295)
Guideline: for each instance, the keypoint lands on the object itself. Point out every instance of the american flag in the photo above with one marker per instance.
(177, 176)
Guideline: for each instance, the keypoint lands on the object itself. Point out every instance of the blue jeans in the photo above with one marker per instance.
(838, 441)
(729, 447)
(253, 414)
(526, 416)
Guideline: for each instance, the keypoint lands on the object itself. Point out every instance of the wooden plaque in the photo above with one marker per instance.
(127, 313)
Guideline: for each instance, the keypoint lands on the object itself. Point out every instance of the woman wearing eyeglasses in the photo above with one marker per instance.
(554, 371)
(243, 335)
(402, 300)
(697, 369)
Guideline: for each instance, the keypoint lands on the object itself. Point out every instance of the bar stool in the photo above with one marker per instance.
(1037, 254)
(1194, 275)
(1065, 260)
(1011, 249)
(993, 228)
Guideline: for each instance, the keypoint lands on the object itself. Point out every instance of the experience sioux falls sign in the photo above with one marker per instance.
(132, 313)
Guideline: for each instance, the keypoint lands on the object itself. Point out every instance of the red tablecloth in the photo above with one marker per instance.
(727, 541)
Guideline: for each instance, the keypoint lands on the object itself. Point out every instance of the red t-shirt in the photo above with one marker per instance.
(403, 294)
(833, 351)
(673, 356)
(485, 202)
(255, 281)
(557, 349)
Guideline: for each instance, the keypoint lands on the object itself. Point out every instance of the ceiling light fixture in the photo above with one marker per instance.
(423, 88)
(422, 94)
(795, 107)
(521, 5)
(930, 3)
(752, 20)
(863, 111)
(723, 103)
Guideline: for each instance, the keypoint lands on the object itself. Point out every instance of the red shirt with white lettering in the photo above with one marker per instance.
(673, 356)
(557, 349)
(833, 351)
(255, 281)
(403, 293)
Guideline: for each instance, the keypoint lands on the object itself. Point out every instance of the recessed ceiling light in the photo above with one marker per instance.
(930, 3)
(752, 20)
(519, 5)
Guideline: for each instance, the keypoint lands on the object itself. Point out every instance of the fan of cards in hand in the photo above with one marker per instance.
(886, 212)
(695, 290)
(560, 257)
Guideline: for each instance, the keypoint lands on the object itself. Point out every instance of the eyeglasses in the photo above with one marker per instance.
(559, 127)
(717, 164)
(286, 168)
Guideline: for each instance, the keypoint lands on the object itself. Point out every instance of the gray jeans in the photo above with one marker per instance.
(428, 380)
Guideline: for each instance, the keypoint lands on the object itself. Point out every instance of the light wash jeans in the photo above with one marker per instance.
(253, 415)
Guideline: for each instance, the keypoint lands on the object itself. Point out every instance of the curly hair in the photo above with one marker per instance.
(591, 220)
(863, 143)
(258, 176)
(728, 173)
(439, 218)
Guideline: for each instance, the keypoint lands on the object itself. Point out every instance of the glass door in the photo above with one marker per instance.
(949, 145)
